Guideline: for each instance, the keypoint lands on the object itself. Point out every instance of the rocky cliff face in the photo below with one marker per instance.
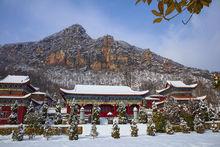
(72, 57)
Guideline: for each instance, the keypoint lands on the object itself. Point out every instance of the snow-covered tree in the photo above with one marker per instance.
(134, 129)
(186, 114)
(74, 112)
(212, 114)
(202, 110)
(122, 116)
(142, 115)
(13, 118)
(214, 127)
(183, 126)
(172, 111)
(47, 132)
(73, 131)
(18, 135)
(159, 119)
(43, 116)
(93, 131)
(58, 116)
(32, 121)
(169, 128)
(96, 114)
(151, 130)
(198, 125)
(115, 130)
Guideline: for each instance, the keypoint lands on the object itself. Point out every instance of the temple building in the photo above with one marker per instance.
(19, 88)
(179, 91)
(107, 97)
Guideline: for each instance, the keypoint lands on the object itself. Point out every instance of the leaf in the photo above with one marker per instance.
(183, 3)
(205, 3)
(156, 13)
(170, 9)
(166, 1)
(149, 2)
(178, 7)
(158, 20)
(137, 1)
(161, 6)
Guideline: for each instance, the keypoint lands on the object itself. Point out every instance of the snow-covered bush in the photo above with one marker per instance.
(122, 116)
(115, 131)
(134, 129)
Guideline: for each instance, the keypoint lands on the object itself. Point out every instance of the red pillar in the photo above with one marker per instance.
(21, 112)
(128, 109)
(68, 108)
(115, 110)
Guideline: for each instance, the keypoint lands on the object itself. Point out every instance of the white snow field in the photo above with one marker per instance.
(208, 139)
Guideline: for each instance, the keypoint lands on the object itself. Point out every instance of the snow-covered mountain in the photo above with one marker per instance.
(72, 57)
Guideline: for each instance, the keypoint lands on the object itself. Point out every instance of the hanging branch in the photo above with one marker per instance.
(185, 23)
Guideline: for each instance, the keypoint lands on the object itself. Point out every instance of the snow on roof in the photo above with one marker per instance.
(103, 90)
(38, 102)
(201, 97)
(156, 95)
(178, 84)
(161, 90)
(36, 88)
(189, 98)
(38, 92)
(150, 98)
(15, 79)
(17, 97)
(158, 103)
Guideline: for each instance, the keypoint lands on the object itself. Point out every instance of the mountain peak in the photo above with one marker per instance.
(75, 28)
(71, 33)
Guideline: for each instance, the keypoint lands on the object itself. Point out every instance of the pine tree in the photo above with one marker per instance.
(151, 130)
(96, 114)
(32, 121)
(115, 130)
(169, 128)
(212, 114)
(44, 109)
(198, 125)
(58, 119)
(172, 111)
(47, 131)
(183, 126)
(19, 135)
(73, 120)
(159, 120)
(134, 129)
(73, 131)
(93, 131)
(142, 115)
(122, 116)
(74, 112)
(13, 118)
(202, 110)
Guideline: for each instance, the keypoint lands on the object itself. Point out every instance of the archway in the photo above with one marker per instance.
(88, 108)
(105, 109)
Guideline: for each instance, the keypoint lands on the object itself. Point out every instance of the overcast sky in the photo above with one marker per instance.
(196, 44)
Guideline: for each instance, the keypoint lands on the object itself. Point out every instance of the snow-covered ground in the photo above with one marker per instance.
(208, 139)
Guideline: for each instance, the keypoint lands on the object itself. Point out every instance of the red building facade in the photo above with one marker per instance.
(107, 97)
(178, 91)
(18, 88)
